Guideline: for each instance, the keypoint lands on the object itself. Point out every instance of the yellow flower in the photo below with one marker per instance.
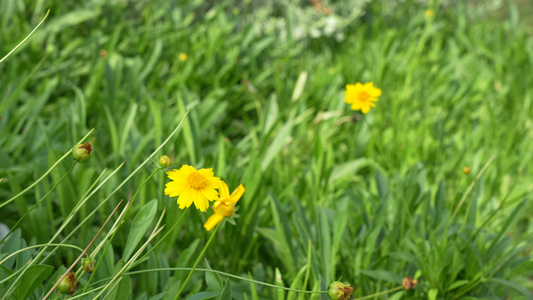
(429, 13)
(183, 56)
(362, 96)
(192, 185)
(225, 206)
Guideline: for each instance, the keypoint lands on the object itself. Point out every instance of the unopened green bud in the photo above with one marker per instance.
(82, 152)
(339, 291)
(88, 264)
(68, 284)
(164, 161)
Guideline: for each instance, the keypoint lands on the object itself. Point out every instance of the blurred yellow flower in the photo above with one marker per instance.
(225, 206)
(183, 56)
(193, 185)
(362, 96)
(429, 13)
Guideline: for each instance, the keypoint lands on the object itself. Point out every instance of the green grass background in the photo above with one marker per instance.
(372, 193)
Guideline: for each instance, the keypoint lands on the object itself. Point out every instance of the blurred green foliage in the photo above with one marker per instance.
(374, 194)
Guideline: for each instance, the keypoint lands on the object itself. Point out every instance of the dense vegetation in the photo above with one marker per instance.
(330, 192)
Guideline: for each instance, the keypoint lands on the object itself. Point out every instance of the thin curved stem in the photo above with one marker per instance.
(128, 205)
(44, 175)
(37, 246)
(126, 266)
(380, 293)
(27, 37)
(197, 262)
(232, 276)
(82, 253)
(38, 202)
(160, 240)
(74, 209)
(217, 272)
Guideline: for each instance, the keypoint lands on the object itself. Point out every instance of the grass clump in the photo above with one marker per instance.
(255, 91)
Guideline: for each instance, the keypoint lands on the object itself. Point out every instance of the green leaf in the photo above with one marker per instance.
(226, 293)
(32, 278)
(432, 294)
(271, 114)
(280, 293)
(10, 245)
(277, 144)
(514, 217)
(300, 85)
(440, 204)
(457, 284)
(381, 182)
(346, 169)
(203, 295)
(522, 290)
(325, 244)
(214, 283)
(296, 283)
(384, 275)
(70, 19)
(142, 221)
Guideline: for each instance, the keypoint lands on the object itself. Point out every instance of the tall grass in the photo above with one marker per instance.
(373, 198)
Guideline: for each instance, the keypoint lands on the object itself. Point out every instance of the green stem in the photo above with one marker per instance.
(380, 293)
(308, 265)
(118, 226)
(37, 246)
(467, 192)
(215, 272)
(160, 240)
(44, 175)
(24, 40)
(197, 262)
(80, 223)
(38, 202)
(23, 269)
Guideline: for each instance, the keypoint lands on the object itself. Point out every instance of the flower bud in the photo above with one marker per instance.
(409, 283)
(68, 284)
(164, 161)
(466, 170)
(88, 264)
(339, 291)
(82, 152)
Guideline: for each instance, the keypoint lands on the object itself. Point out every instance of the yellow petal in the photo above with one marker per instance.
(175, 188)
(210, 194)
(186, 170)
(375, 92)
(356, 106)
(237, 194)
(365, 108)
(213, 182)
(175, 175)
(223, 189)
(212, 221)
(206, 172)
(186, 199)
(200, 201)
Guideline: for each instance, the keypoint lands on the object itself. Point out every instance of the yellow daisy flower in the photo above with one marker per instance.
(362, 96)
(225, 206)
(192, 185)
(183, 57)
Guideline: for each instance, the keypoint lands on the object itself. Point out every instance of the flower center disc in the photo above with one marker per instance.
(196, 181)
(363, 96)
